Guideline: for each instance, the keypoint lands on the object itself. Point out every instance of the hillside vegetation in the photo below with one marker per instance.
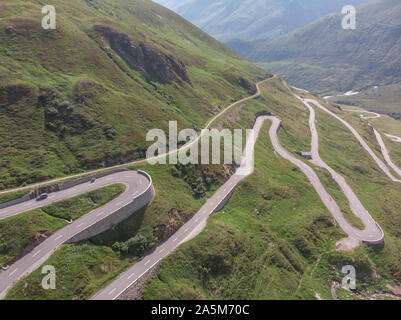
(84, 95)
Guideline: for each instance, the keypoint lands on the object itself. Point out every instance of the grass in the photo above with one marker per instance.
(78, 269)
(21, 233)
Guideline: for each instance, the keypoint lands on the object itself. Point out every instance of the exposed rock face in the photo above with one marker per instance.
(149, 61)
(246, 84)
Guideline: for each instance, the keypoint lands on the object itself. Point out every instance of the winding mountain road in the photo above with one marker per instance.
(375, 115)
(371, 234)
(135, 184)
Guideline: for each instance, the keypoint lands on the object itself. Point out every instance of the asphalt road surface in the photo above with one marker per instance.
(394, 138)
(135, 184)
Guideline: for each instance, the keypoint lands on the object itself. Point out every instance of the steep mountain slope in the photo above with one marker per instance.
(253, 19)
(84, 95)
(325, 58)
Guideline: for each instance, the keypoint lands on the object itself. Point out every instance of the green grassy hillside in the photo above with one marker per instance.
(84, 95)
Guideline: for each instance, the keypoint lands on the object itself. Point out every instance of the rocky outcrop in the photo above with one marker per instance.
(149, 61)
(248, 85)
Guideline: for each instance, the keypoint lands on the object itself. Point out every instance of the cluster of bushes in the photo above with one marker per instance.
(62, 117)
(109, 132)
(136, 245)
(200, 178)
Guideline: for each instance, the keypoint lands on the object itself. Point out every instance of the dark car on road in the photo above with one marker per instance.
(43, 196)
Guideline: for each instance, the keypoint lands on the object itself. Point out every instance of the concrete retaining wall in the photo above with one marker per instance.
(15, 201)
(379, 241)
(118, 216)
(224, 201)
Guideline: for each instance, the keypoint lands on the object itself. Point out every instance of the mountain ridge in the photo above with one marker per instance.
(237, 20)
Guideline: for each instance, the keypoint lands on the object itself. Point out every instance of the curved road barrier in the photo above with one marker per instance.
(394, 138)
(138, 193)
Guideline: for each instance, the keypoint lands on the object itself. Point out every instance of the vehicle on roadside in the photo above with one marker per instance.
(93, 180)
(41, 197)
(5, 267)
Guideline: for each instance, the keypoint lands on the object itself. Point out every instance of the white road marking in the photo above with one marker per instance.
(58, 237)
(118, 204)
(147, 262)
(162, 250)
(81, 224)
(13, 272)
(131, 275)
(112, 291)
(35, 254)
(99, 214)
(175, 240)
(186, 230)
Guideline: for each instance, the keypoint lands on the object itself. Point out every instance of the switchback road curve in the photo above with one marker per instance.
(136, 184)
